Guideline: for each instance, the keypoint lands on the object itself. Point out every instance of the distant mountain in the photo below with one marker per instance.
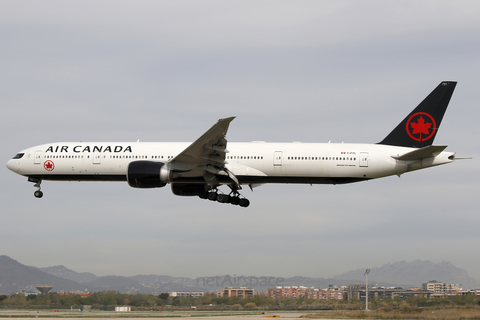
(155, 284)
(413, 273)
(152, 278)
(16, 277)
(117, 283)
(161, 284)
(320, 282)
(64, 272)
(314, 282)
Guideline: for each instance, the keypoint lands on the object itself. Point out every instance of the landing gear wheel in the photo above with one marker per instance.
(235, 201)
(223, 198)
(233, 197)
(244, 202)
(212, 196)
(37, 193)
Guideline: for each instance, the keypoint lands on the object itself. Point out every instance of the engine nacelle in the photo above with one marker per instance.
(148, 174)
(188, 189)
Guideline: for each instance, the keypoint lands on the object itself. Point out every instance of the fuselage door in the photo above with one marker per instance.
(38, 157)
(96, 158)
(277, 158)
(363, 159)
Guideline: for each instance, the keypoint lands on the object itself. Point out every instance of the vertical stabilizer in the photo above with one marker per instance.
(420, 127)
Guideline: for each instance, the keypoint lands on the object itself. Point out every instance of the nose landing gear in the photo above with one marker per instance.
(38, 193)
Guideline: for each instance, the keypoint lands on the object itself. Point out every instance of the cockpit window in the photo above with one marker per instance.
(18, 156)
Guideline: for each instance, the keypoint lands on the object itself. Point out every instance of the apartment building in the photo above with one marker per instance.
(241, 292)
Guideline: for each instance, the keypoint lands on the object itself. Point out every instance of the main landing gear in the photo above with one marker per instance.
(38, 193)
(232, 198)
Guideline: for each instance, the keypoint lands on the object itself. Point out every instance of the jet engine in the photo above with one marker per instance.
(148, 174)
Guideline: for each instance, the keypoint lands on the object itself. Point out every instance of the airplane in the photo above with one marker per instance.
(201, 167)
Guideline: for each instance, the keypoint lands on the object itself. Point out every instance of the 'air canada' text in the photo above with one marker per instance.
(79, 149)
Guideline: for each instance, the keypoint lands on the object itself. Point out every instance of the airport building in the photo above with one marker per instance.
(241, 292)
(434, 286)
(452, 288)
(358, 291)
(295, 292)
(468, 291)
(440, 289)
(183, 294)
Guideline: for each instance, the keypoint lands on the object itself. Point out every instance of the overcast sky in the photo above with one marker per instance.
(310, 71)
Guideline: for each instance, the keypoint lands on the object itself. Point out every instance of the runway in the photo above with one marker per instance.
(151, 315)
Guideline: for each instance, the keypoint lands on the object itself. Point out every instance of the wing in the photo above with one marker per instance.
(206, 156)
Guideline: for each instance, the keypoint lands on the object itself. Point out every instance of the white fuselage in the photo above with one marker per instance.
(252, 162)
(200, 167)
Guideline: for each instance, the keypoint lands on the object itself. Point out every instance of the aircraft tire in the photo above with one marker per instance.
(38, 194)
(222, 198)
(212, 196)
(244, 202)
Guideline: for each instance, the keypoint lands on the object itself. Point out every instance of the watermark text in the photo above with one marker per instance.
(239, 281)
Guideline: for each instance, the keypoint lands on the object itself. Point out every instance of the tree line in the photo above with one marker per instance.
(140, 300)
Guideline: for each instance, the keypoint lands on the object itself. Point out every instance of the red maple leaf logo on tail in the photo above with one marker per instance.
(421, 126)
(422, 129)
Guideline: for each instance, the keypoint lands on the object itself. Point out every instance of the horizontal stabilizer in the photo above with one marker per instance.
(423, 153)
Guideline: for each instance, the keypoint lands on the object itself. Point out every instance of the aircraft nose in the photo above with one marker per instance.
(12, 165)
